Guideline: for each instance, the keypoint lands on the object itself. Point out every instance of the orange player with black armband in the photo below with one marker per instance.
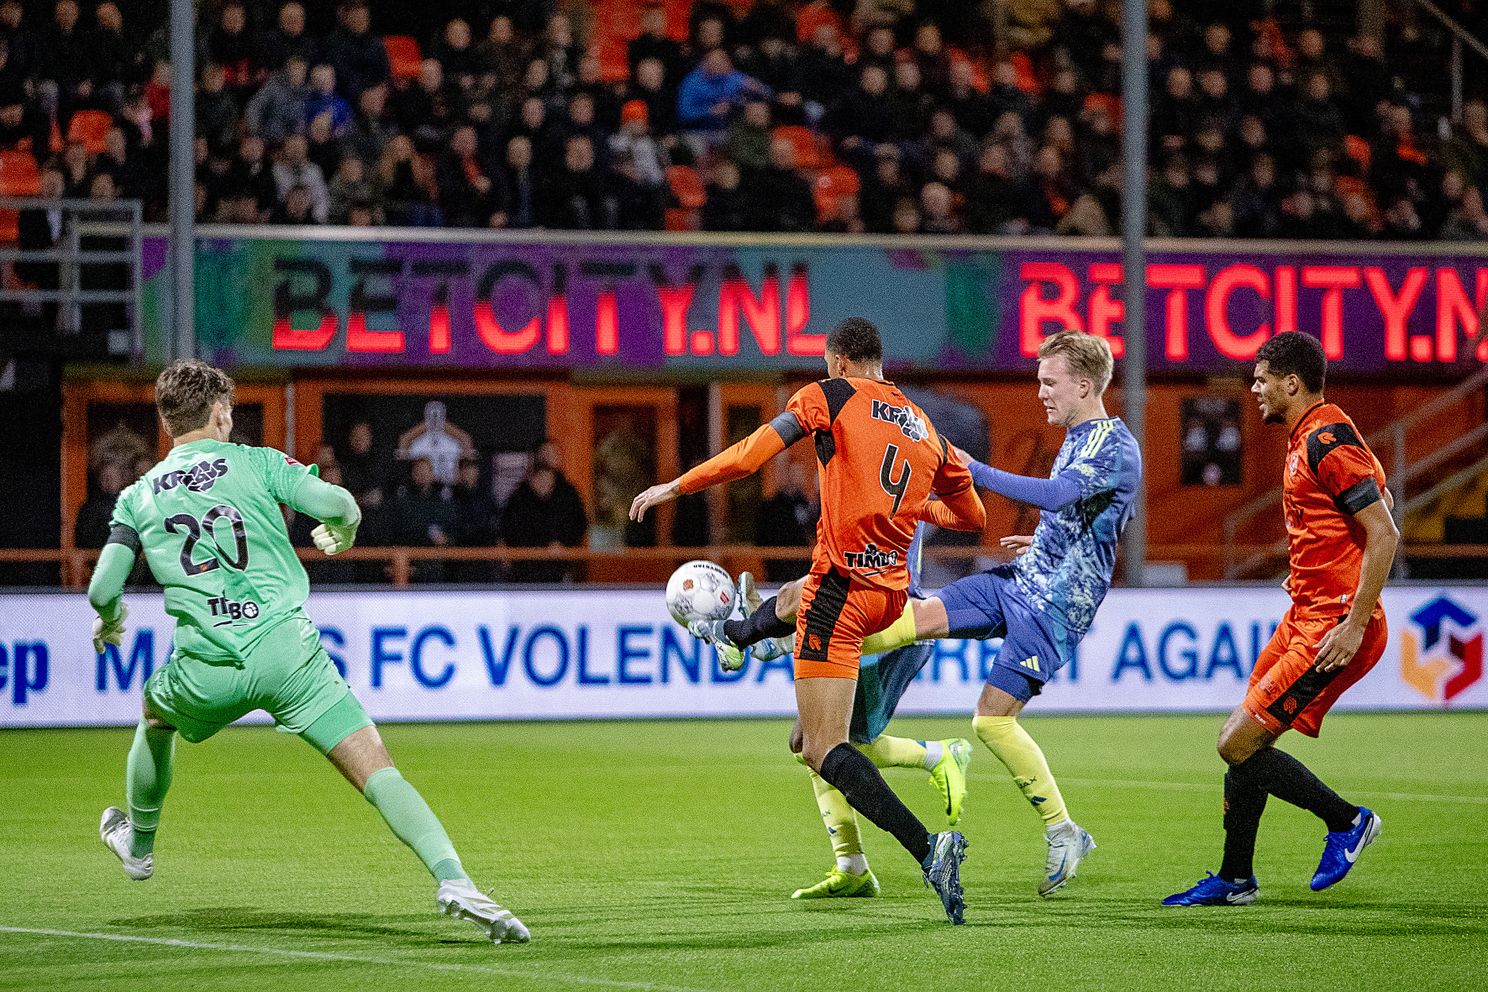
(880, 460)
(1341, 541)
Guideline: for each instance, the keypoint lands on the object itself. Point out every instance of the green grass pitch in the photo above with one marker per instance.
(661, 855)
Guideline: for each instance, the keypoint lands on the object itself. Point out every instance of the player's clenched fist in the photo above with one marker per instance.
(109, 631)
(655, 496)
(332, 539)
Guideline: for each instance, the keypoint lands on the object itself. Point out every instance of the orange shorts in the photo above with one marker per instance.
(1287, 692)
(836, 614)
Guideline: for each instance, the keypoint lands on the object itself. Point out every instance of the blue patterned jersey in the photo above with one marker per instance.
(1068, 568)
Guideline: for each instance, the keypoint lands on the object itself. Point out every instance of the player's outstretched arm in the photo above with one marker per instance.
(106, 593)
(1381, 537)
(735, 462)
(334, 507)
(1046, 494)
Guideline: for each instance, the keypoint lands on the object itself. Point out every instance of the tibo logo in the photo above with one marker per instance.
(1441, 655)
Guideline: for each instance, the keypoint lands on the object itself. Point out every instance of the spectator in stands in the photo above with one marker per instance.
(1467, 151)
(938, 210)
(885, 185)
(359, 58)
(456, 55)
(323, 99)
(76, 167)
(862, 117)
(297, 207)
(422, 515)
(23, 127)
(91, 528)
(544, 511)
(62, 65)
(779, 198)
(20, 40)
(635, 141)
(997, 201)
(657, 91)
(288, 39)
(748, 144)
(217, 112)
(294, 169)
(350, 187)
(518, 196)
(502, 54)
(322, 147)
(726, 208)
(277, 110)
(788, 519)
(113, 60)
(372, 127)
(465, 191)
(429, 105)
(232, 46)
(711, 93)
(577, 196)
(41, 230)
(653, 43)
(251, 174)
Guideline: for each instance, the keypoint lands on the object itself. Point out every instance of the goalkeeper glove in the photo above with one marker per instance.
(334, 539)
(109, 631)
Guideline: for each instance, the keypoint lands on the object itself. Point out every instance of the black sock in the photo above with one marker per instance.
(1243, 806)
(854, 775)
(1288, 779)
(760, 624)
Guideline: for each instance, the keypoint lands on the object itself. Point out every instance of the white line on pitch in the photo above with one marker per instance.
(1214, 787)
(283, 952)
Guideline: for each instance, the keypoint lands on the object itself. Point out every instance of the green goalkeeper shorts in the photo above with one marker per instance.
(286, 672)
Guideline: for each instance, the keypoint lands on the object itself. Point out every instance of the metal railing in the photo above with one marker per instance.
(1402, 472)
(82, 222)
(1460, 37)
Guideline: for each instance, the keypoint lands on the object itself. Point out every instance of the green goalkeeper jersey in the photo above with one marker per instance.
(208, 521)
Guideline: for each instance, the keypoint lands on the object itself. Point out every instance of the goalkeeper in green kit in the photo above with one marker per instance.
(207, 520)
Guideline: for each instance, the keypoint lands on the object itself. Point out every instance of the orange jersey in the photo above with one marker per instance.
(879, 459)
(1330, 475)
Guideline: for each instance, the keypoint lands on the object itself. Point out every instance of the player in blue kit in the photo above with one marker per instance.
(1043, 602)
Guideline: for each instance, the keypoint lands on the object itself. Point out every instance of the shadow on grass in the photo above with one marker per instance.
(223, 921)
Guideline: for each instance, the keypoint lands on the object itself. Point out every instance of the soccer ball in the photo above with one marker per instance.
(700, 591)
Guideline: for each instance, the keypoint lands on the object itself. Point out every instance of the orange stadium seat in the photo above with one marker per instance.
(831, 185)
(404, 56)
(687, 186)
(18, 174)
(809, 154)
(89, 127)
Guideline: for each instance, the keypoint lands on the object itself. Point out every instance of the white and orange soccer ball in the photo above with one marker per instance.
(700, 591)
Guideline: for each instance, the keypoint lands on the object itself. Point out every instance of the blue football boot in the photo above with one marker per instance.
(1342, 849)
(1215, 891)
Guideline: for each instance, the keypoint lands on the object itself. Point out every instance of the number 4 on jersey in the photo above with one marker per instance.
(894, 487)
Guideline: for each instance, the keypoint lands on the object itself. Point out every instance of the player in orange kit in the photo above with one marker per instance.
(880, 460)
(1341, 541)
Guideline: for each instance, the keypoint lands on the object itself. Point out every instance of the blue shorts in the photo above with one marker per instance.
(989, 604)
(882, 681)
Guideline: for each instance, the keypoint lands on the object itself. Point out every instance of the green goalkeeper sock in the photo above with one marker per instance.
(414, 823)
(147, 778)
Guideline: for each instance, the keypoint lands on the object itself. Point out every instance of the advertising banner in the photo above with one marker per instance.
(700, 305)
(576, 654)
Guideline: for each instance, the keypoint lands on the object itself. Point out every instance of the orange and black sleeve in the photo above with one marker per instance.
(1344, 467)
(747, 456)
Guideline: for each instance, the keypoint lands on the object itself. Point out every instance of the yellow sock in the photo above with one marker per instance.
(894, 752)
(895, 635)
(841, 823)
(1025, 762)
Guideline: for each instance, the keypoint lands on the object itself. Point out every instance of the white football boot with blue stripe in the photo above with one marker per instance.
(1069, 844)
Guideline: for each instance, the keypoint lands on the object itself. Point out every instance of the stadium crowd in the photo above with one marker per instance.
(848, 115)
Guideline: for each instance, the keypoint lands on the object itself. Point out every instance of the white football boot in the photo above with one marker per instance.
(1069, 844)
(464, 901)
(117, 834)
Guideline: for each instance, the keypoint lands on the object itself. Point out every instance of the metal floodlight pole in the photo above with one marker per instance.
(1134, 88)
(183, 176)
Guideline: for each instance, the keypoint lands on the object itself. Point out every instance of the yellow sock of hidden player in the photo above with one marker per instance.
(895, 635)
(850, 876)
(1025, 761)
